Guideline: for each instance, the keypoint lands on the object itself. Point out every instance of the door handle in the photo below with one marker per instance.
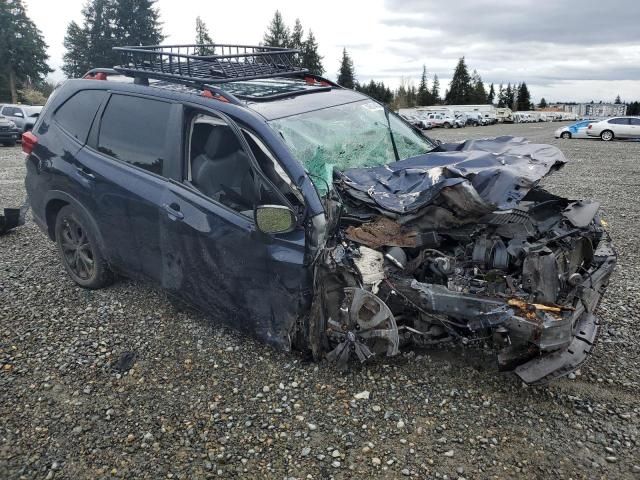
(173, 211)
(85, 172)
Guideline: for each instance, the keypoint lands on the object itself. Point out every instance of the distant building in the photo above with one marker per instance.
(591, 109)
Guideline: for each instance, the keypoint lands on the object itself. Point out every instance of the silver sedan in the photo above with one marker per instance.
(617, 127)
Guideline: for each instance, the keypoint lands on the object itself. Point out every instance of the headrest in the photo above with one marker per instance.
(221, 142)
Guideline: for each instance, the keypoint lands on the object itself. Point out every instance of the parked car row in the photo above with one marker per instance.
(9, 132)
(607, 129)
(24, 116)
(418, 122)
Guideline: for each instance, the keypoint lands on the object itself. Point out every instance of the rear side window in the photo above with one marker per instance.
(619, 121)
(76, 114)
(134, 130)
(11, 111)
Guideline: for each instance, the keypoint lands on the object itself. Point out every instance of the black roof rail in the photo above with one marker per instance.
(208, 63)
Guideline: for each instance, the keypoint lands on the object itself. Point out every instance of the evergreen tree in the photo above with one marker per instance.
(376, 90)
(297, 36)
(492, 95)
(509, 96)
(106, 24)
(203, 38)
(23, 52)
(297, 42)
(311, 59)
(618, 101)
(435, 90)
(424, 95)
(502, 94)
(75, 60)
(401, 96)
(543, 103)
(478, 93)
(137, 22)
(99, 27)
(277, 34)
(460, 89)
(412, 96)
(524, 97)
(346, 74)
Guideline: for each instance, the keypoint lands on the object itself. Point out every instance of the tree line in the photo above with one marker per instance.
(109, 23)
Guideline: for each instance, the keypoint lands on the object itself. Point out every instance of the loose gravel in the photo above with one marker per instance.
(120, 383)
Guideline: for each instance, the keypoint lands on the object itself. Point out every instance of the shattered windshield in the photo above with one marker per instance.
(346, 136)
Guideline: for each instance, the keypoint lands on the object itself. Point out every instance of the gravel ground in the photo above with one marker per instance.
(202, 401)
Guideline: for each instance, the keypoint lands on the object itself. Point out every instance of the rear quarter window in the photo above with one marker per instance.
(76, 114)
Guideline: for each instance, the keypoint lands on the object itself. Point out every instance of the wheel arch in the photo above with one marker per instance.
(613, 135)
(56, 200)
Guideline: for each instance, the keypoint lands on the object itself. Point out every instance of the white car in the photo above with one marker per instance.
(575, 130)
(616, 127)
(442, 120)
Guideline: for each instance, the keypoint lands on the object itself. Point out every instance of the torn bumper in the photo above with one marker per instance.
(559, 337)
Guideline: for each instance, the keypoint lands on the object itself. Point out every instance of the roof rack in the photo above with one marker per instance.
(208, 63)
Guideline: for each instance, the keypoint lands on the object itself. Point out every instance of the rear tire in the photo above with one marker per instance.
(606, 135)
(79, 250)
(565, 135)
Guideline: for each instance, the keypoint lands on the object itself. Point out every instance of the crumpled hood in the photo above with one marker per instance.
(470, 177)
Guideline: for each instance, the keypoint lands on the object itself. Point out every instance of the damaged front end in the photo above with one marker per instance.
(462, 245)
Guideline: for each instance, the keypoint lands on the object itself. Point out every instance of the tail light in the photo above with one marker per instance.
(29, 141)
(589, 127)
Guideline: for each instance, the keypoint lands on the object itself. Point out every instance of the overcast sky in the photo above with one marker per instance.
(565, 50)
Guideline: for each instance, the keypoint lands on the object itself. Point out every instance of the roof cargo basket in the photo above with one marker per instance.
(207, 64)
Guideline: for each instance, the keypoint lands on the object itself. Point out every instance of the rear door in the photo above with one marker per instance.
(635, 127)
(620, 127)
(132, 148)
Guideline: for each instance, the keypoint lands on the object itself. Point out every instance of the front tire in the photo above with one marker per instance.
(447, 125)
(606, 135)
(565, 135)
(79, 250)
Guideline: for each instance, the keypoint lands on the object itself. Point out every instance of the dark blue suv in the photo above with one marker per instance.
(311, 216)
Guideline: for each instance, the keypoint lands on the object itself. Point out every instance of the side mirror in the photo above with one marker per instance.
(274, 218)
(438, 142)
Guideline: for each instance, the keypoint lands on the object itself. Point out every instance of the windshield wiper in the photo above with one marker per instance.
(393, 140)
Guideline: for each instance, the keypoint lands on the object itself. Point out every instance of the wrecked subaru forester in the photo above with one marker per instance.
(312, 217)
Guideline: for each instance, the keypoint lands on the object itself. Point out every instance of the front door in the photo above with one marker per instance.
(213, 255)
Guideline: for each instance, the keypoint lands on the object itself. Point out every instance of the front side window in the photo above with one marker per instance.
(221, 169)
(76, 114)
(346, 136)
(135, 130)
(635, 121)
